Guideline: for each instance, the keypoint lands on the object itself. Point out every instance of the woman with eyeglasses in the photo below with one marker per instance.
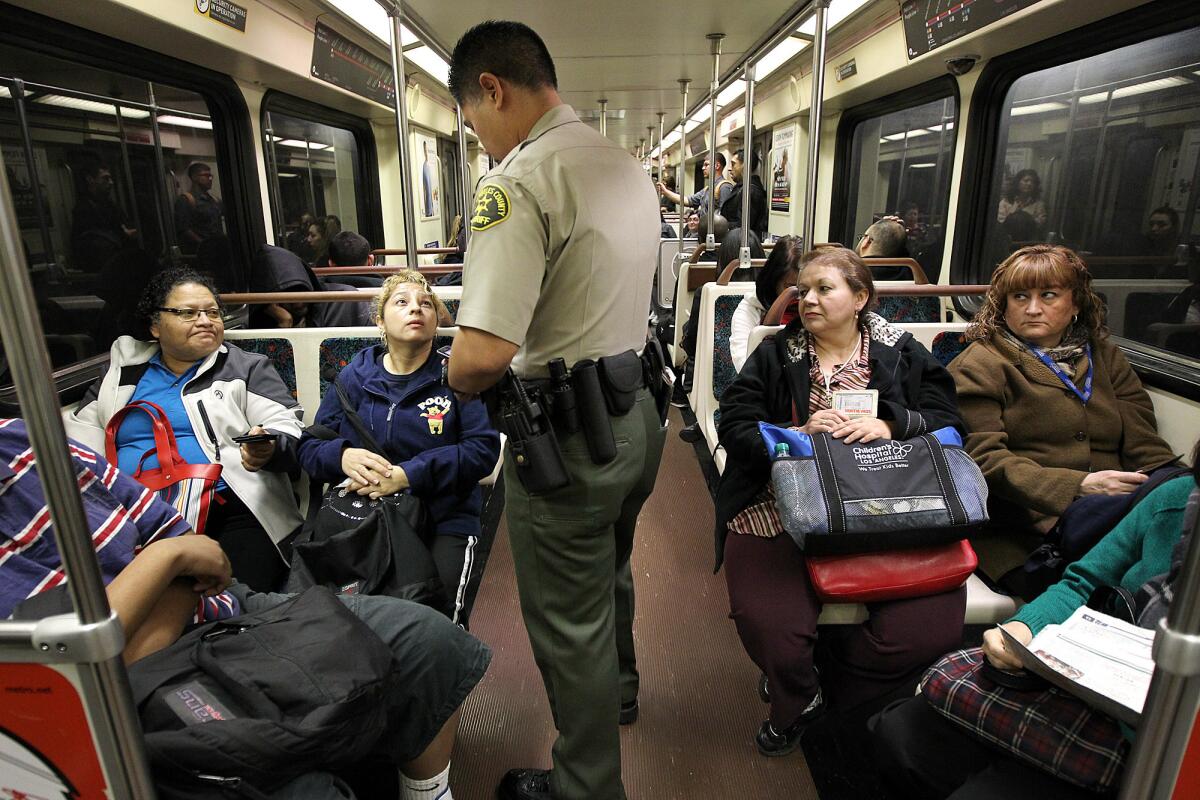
(211, 392)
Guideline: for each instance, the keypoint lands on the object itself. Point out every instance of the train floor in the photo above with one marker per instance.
(699, 705)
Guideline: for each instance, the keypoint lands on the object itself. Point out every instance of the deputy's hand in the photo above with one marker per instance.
(1112, 481)
(996, 651)
(256, 455)
(396, 482)
(661, 186)
(862, 429)
(824, 421)
(364, 467)
(197, 556)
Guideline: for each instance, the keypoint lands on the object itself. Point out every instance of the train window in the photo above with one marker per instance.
(900, 163)
(112, 178)
(316, 162)
(1103, 155)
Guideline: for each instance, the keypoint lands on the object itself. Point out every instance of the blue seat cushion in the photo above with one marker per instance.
(898, 308)
(279, 352)
(947, 345)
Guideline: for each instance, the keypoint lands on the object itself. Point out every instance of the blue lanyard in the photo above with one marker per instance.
(1084, 395)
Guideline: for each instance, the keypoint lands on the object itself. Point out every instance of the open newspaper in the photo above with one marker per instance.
(1102, 660)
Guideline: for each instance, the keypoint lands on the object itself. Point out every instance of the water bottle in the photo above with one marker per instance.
(782, 450)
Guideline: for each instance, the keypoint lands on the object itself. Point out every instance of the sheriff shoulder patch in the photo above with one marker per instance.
(491, 208)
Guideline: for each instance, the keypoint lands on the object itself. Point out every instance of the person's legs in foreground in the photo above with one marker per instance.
(565, 554)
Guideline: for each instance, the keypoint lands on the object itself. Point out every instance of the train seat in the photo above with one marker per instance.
(896, 308)
(280, 353)
(947, 345)
(714, 366)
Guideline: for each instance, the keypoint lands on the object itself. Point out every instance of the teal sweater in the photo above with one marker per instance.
(1136, 550)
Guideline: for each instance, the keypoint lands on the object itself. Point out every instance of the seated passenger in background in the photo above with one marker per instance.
(772, 280)
(277, 270)
(720, 230)
(885, 239)
(435, 444)
(349, 249)
(925, 755)
(297, 240)
(692, 226)
(836, 344)
(1023, 193)
(666, 230)
(1053, 408)
(160, 578)
(211, 391)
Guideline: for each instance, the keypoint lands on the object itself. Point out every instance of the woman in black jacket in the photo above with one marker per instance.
(835, 344)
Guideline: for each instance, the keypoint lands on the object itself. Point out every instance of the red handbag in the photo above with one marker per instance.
(892, 575)
(190, 488)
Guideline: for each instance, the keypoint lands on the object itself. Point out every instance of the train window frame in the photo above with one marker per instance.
(370, 210)
(230, 116)
(940, 88)
(1155, 366)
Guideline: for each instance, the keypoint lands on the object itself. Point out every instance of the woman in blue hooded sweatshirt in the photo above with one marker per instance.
(435, 445)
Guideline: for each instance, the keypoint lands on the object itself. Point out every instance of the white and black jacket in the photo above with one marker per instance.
(231, 392)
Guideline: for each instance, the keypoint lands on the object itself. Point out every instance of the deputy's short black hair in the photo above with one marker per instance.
(508, 50)
(721, 159)
(349, 249)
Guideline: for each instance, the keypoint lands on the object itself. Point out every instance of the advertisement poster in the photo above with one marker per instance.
(782, 141)
(429, 176)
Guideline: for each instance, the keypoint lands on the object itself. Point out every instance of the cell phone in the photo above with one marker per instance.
(254, 438)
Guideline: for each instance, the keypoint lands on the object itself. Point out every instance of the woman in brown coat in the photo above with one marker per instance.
(1053, 408)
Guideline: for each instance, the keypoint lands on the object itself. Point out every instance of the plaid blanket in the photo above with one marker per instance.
(1048, 728)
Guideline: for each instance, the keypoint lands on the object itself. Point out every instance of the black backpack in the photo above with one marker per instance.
(239, 707)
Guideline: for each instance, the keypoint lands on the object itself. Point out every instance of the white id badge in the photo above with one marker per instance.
(861, 403)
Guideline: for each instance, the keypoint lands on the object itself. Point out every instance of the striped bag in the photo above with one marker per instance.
(190, 488)
(1046, 727)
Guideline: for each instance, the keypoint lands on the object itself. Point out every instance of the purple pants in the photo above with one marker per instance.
(773, 604)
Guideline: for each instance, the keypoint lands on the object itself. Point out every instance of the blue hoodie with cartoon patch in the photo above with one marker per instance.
(444, 446)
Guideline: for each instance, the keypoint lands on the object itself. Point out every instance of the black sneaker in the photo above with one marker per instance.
(524, 784)
(629, 712)
(691, 434)
(773, 743)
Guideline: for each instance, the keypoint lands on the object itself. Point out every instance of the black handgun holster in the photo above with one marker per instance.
(539, 462)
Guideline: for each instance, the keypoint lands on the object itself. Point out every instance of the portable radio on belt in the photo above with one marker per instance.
(530, 436)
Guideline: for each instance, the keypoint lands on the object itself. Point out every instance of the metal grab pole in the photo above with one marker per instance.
(684, 83)
(35, 180)
(168, 208)
(464, 177)
(1168, 714)
(117, 732)
(661, 150)
(747, 167)
(710, 242)
(402, 155)
(603, 117)
(808, 231)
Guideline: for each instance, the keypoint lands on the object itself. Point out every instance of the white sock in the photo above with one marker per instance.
(435, 788)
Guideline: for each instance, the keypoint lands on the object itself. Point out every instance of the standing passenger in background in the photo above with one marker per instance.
(1024, 193)
(731, 208)
(198, 213)
(560, 266)
(699, 200)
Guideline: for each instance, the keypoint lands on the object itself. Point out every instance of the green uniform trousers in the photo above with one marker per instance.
(571, 552)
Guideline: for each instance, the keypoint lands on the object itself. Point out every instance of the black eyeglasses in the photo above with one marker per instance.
(192, 314)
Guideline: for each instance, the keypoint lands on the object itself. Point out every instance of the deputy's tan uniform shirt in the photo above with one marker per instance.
(564, 238)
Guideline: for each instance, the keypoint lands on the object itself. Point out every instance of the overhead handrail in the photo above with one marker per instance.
(789, 295)
(424, 269)
(113, 716)
(733, 266)
(919, 275)
(421, 251)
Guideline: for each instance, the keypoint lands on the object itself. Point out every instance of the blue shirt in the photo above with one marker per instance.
(136, 435)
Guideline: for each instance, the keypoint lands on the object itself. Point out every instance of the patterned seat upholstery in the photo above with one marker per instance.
(722, 363)
(451, 306)
(337, 353)
(280, 353)
(898, 308)
(947, 345)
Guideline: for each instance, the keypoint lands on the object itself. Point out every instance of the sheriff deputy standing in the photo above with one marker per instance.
(560, 266)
